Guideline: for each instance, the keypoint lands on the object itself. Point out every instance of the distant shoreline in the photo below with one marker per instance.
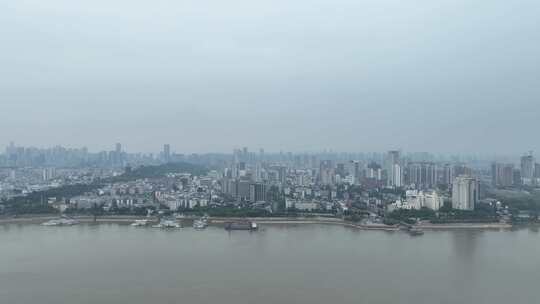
(119, 219)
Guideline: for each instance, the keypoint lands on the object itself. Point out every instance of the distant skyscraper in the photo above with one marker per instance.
(282, 174)
(527, 169)
(374, 171)
(461, 169)
(447, 175)
(236, 156)
(421, 175)
(465, 192)
(517, 177)
(243, 190)
(326, 172)
(356, 172)
(245, 154)
(257, 192)
(11, 149)
(397, 176)
(167, 153)
(116, 157)
(393, 171)
(502, 175)
(258, 172)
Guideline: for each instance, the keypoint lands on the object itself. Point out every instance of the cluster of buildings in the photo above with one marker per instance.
(418, 199)
(310, 183)
(20, 181)
(506, 175)
(58, 156)
(325, 181)
(174, 191)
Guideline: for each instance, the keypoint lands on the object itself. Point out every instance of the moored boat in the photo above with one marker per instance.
(63, 221)
(168, 224)
(415, 231)
(200, 224)
(244, 225)
(140, 223)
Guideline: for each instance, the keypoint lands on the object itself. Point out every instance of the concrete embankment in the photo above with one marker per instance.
(465, 226)
(83, 219)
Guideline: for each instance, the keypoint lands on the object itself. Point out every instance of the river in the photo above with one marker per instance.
(111, 263)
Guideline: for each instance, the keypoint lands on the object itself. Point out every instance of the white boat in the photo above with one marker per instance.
(167, 224)
(200, 224)
(140, 223)
(61, 222)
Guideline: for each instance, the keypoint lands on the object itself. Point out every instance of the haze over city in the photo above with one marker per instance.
(208, 76)
(269, 151)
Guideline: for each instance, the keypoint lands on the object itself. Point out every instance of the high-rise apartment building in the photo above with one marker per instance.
(465, 192)
(446, 176)
(326, 172)
(393, 171)
(257, 192)
(167, 153)
(527, 169)
(502, 175)
(422, 175)
(374, 171)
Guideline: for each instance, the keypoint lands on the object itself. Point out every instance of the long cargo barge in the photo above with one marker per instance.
(245, 225)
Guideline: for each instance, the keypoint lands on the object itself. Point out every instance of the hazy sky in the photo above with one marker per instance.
(211, 75)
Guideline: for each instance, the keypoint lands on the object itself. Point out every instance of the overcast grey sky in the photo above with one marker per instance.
(210, 75)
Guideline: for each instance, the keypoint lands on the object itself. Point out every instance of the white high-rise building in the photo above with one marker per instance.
(356, 172)
(464, 192)
(397, 176)
(424, 199)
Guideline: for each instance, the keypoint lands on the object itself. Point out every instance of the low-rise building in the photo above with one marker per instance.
(301, 205)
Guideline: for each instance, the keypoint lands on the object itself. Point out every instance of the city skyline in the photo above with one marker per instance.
(173, 149)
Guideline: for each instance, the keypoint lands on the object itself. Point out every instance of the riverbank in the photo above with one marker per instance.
(466, 226)
(334, 221)
(121, 219)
